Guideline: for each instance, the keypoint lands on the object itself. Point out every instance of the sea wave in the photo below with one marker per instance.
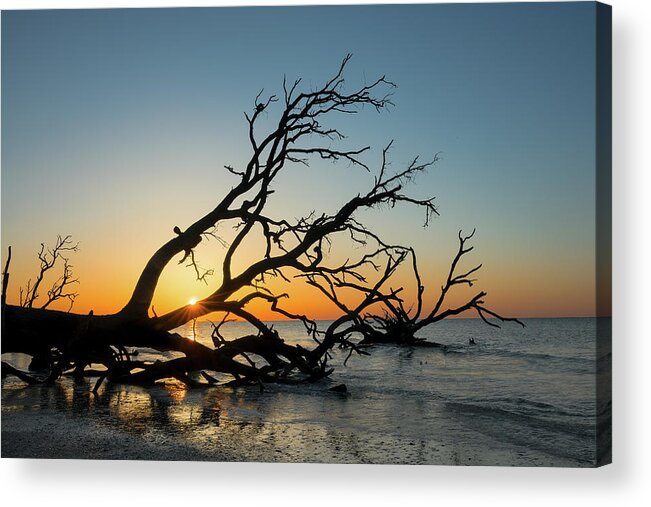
(532, 413)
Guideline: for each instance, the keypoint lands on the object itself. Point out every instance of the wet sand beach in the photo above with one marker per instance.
(494, 403)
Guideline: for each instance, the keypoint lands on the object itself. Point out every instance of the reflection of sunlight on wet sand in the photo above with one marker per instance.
(286, 424)
(279, 425)
(176, 390)
(170, 407)
(132, 408)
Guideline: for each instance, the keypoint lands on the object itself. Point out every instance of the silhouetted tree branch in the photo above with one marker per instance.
(399, 324)
(299, 122)
(293, 250)
(5, 278)
(48, 258)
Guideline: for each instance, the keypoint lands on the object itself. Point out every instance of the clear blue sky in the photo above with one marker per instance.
(116, 122)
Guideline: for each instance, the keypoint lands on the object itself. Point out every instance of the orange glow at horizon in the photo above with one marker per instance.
(524, 274)
(513, 288)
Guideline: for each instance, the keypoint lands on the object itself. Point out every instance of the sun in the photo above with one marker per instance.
(192, 301)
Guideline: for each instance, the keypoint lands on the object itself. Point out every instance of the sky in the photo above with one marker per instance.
(116, 125)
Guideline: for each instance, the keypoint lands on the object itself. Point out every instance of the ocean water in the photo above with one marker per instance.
(518, 396)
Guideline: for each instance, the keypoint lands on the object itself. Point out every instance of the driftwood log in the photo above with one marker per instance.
(61, 342)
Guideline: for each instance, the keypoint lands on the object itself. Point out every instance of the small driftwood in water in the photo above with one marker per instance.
(398, 324)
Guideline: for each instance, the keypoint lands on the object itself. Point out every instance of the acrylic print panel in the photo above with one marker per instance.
(344, 234)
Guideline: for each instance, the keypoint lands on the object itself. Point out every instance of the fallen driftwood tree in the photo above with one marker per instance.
(399, 324)
(68, 343)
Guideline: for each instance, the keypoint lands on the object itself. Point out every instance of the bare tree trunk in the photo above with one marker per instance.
(64, 342)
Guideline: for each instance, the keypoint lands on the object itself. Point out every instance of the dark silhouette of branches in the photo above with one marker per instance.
(5, 278)
(301, 121)
(60, 289)
(294, 250)
(399, 324)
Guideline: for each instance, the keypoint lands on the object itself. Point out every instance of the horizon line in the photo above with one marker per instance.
(201, 319)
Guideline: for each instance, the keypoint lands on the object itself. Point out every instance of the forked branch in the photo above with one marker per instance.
(60, 289)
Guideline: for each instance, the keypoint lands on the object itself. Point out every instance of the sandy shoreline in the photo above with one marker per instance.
(54, 436)
(48, 432)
